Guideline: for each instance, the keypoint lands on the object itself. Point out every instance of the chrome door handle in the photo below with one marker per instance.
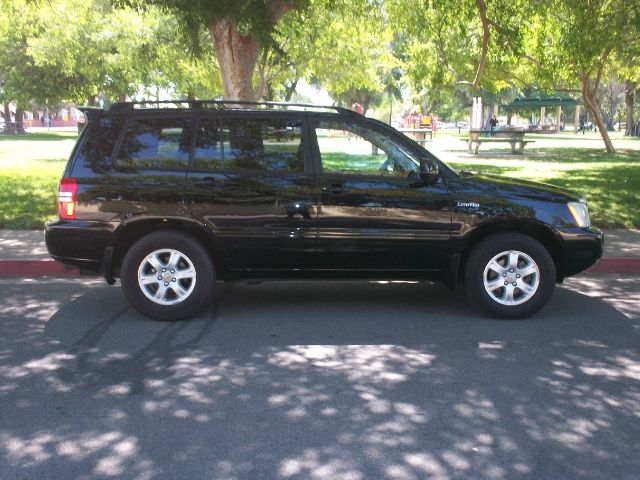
(334, 188)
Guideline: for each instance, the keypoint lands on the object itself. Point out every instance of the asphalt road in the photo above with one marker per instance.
(319, 381)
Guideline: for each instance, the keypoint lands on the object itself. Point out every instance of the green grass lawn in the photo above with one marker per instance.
(610, 183)
(31, 165)
(30, 168)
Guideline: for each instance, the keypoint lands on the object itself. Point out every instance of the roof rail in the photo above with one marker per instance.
(222, 104)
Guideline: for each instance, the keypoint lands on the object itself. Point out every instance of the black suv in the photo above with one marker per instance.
(172, 196)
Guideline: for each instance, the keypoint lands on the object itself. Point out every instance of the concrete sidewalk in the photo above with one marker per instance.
(23, 253)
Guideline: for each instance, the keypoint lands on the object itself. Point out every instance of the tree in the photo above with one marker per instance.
(612, 92)
(21, 78)
(630, 88)
(576, 42)
(349, 54)
(628, 68)
(238, 29)
(458, 44)
(116, 53)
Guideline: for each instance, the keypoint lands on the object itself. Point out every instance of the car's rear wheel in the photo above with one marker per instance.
(168, 275)
(510, 275)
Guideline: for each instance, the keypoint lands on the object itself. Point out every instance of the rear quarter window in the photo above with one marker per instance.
(155, 144)
(96, 148)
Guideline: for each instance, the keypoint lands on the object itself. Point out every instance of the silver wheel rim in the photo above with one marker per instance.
(167, 276)
(511, 278)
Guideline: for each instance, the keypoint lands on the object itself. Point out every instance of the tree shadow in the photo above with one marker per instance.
(318, 380)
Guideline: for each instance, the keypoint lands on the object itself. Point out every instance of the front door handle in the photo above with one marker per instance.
(298, 209)
(334, 188)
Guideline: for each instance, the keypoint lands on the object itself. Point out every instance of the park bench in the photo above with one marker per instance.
(514, 137)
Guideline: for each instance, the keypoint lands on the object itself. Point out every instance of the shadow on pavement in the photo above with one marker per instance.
(318, 380)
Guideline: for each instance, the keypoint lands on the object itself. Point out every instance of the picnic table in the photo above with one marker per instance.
(513, 137)
(418, 135)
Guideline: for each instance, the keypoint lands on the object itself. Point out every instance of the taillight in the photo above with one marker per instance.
(67, 192)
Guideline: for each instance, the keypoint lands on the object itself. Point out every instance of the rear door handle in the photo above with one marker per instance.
(334, 188)
(205, 182)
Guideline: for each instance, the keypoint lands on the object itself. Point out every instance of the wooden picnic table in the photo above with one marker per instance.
(513, 137)
(418, 135)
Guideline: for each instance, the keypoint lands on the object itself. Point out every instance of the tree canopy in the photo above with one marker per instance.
(438, 52)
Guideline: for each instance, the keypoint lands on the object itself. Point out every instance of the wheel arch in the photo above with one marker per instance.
(538, 231)
(131, 232)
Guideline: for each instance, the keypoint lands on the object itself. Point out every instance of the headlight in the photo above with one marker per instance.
(580, 214)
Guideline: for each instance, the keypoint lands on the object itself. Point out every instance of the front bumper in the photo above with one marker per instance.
(581, 249)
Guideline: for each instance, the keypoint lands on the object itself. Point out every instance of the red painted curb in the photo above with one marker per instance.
(36, 268)
(616, 265)
(51, 268)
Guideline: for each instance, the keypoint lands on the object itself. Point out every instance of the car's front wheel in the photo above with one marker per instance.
(510, 275)
(167, 275)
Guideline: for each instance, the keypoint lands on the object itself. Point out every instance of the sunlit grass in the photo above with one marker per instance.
(30, 168)
(610, 183)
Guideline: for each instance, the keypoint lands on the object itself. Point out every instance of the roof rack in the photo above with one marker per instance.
(222, 104)
(91, 113)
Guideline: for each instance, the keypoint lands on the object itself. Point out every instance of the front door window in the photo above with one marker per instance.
(351, 149)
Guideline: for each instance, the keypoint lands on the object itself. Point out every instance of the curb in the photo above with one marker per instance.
(36, 268)
(616, 265)
(52, 268)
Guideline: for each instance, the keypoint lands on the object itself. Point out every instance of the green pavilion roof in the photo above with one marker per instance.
(543, 101)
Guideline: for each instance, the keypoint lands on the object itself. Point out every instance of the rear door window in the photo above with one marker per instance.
(271, 144)
(156, 144)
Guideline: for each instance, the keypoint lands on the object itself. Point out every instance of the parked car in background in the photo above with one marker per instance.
(172, 196)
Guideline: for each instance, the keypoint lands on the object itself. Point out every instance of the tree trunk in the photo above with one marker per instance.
(629, 100)
(237, 56)
(590, 103)
(19, 119)
(290, 89)
(482, 10)
(613, 109)
(366, 102)
(91, 100)
(7, 119)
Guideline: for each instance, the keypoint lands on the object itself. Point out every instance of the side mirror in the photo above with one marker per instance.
(429, 172)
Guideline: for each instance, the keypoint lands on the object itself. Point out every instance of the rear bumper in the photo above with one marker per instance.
(581, 249)
(79, 243)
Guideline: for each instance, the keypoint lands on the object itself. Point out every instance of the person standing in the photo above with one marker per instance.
(582, 124)
(493, 123)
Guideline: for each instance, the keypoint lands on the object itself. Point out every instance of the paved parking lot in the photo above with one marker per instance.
(320, 380)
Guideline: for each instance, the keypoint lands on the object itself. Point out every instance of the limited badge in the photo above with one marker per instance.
(468, 205)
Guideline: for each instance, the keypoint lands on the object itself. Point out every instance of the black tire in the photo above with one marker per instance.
(484, 252)
(199, 295)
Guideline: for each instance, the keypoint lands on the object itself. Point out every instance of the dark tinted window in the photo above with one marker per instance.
(99, 142)
(354, 149)
(208, 150)
(250, 144)
(161, 144)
